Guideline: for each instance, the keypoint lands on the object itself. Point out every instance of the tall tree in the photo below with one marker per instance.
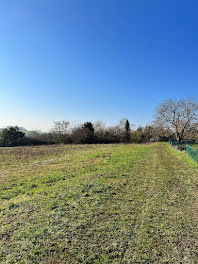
(60, 127)
(127, 131)
(177, 116)
(88, 132)
(60, 131)
(11, 137)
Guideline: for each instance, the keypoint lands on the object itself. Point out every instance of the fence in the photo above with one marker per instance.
(178, 145)
(192, 152)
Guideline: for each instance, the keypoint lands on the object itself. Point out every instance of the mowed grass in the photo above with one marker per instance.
(98, 204)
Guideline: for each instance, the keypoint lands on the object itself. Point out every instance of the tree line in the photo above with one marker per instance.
(174, 120)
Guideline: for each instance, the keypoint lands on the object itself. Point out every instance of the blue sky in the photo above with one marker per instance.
(94, 60)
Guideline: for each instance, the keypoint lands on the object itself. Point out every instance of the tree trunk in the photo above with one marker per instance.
(178, 137)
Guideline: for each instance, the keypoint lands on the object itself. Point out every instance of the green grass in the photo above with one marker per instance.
(194, 146)
(98, 204)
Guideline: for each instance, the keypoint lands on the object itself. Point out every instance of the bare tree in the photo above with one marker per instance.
(100, 131)
(178, 116)
(60, 127)
(60, 132)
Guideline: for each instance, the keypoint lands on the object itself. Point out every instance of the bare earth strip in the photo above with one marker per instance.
(98, 204)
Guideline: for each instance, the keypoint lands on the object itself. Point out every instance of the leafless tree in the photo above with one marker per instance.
(100, 131)
(60, 127)
(60, 132)
(178, 116)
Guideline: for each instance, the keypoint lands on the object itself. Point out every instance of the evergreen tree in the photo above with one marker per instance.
(127, 131)
(11, 137)
(88, 135)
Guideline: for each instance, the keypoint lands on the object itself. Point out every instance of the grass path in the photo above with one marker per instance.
(98, 204)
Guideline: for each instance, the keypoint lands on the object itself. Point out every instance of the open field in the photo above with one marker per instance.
(98, 204)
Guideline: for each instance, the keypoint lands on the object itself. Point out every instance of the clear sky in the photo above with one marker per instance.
(94, 60)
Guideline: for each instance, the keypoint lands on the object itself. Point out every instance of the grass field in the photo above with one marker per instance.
(98, 204)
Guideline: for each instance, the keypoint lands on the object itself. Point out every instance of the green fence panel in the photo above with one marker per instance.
(193, 153)
(178, 145)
